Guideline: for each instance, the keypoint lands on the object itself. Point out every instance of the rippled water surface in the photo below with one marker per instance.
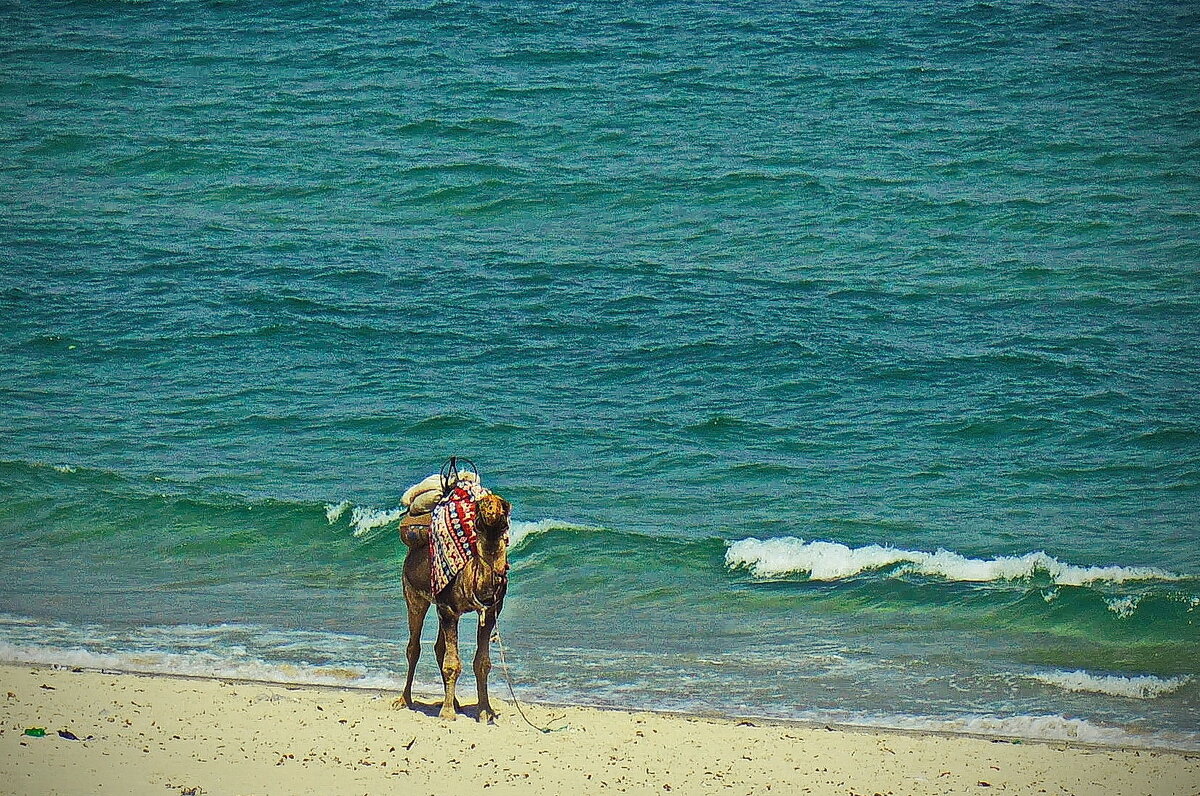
(839, 359)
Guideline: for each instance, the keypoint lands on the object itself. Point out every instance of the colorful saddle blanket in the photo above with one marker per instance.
(452, 532)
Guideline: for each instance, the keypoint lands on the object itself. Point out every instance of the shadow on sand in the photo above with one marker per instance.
(434, 709)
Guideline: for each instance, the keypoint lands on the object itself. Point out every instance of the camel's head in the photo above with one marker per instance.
(492, 530)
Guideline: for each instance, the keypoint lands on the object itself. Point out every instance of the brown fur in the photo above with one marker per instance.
(480, 586)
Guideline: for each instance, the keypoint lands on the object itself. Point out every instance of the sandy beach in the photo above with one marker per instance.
(152, 734)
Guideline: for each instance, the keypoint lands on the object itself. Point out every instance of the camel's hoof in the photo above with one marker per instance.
(448, 714)
(401, 703)
(487, 716)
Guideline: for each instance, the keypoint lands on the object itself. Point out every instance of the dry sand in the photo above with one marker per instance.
(142, 734)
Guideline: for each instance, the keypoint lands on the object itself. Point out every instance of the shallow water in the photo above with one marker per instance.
(838, 360)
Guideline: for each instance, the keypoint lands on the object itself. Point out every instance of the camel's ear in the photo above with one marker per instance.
(507, 507)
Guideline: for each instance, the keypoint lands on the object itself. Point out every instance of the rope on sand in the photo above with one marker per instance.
(508, 679)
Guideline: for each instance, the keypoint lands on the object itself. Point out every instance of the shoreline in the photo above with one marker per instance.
(167, 733)
(919, 725)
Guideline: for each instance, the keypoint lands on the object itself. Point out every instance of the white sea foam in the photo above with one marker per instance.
(203, 664)
(364, 519)
(1136, 687)
(770, 558)
(520, 531)
(254, 653)
(334, 511)
(1042, 728)
(1123, 607)
(64, 468)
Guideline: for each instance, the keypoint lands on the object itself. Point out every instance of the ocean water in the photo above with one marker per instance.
(839, 359)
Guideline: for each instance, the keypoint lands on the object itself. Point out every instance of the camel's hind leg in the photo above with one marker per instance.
(417, 608)
(451, 663)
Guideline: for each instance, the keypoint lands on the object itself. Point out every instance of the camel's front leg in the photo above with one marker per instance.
(483, 662)
(451, 663)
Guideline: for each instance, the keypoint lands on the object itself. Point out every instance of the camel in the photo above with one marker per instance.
(480, 586)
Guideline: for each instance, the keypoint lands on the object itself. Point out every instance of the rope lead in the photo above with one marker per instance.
(508, 679)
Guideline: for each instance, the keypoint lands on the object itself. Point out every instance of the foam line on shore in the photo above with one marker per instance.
(1048, 727)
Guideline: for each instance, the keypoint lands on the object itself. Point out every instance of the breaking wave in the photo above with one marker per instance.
(521, 530)
(773, 558)
(364, 520)
(1135, 687)
(368, 521)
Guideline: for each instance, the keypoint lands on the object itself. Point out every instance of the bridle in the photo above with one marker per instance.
(497, 579)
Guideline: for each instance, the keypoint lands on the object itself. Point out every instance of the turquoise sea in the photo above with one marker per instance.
(840, 359)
